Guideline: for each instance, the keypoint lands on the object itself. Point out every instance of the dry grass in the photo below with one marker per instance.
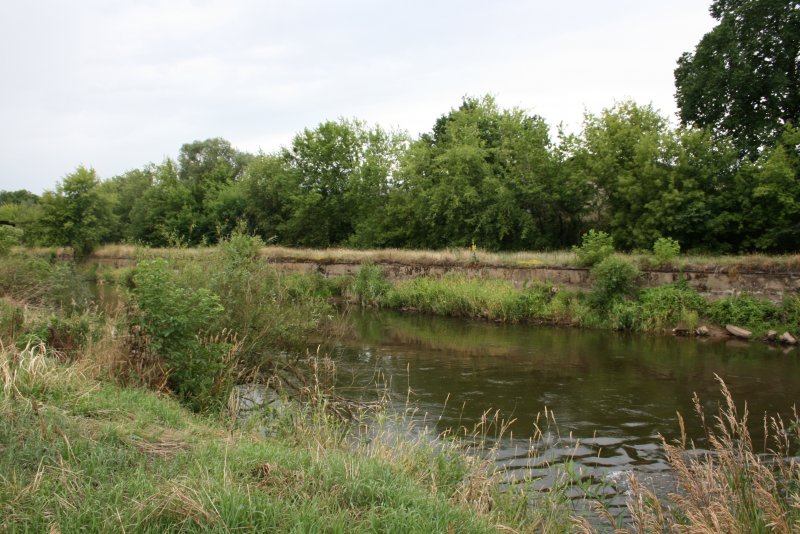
(730, 488)
(459, 257)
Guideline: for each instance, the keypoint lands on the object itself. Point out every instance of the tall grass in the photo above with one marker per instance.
(462, 257)
(736, 486)
(77, 457)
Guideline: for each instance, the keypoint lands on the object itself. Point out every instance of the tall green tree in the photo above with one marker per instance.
(772, 207)
(743, 78)
(207, 169)
(484, 174)
(164, 214)
(77, 214)
(325, 188)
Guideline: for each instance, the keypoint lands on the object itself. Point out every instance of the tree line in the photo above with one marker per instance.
(725, 180)
(484, 174)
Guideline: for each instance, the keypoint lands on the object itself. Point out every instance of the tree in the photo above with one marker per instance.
(627, 154)
(206, 168)
(330, 183)
(743, 78)
(77, 214)
(485, 174)
(772, 209)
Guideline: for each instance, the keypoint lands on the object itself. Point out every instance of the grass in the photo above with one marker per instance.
(733, 487)
(81, 454)
(463, 257)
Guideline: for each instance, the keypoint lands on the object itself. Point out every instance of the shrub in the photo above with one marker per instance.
(595, 247)
(269, 310)
(745, 311)
(10, 236)
(624, 315)
(612, 279)
(666, 306)
(370, 284)
(179, 324)
(666, 249)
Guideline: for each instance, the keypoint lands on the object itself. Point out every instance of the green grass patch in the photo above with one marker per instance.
(80, 455)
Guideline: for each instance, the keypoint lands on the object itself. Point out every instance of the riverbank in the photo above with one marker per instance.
(82, 454)
(94, 437)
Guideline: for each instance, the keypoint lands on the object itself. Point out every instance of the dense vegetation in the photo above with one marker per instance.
(484, 174)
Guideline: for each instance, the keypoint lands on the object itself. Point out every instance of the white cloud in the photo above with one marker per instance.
(116, 84)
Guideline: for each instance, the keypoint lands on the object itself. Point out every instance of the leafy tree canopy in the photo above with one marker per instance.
(743, 78)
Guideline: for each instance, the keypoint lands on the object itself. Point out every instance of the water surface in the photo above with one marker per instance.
(613, 394)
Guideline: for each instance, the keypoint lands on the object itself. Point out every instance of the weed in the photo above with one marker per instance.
(370, 284)
(745, 311)
(595, 247)
(665, 250)
(669, 305)
(614, 278)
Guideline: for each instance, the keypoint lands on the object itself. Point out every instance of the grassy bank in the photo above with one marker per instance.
(453, 257)
(78, 454)
(614, 302)
(121, 420)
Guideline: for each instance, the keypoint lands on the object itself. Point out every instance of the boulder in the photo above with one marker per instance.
(787, 339)
(735, 331)
(702, 331)
(772, 335)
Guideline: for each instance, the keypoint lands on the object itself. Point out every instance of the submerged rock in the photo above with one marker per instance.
(735, 331)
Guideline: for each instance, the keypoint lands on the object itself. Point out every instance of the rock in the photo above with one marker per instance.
(787, 339)
(738, 332)
(771, 335)
(702, 331)
(680, 330)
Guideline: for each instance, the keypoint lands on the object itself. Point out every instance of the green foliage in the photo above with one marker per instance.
(665, 250)
(613, 279)
(268, 309)
(745, 311)
(742, 79)
(9, 237)
(460, 296)
(370, 284)
(77, 214)
(485, 174)
(181, 325)
(39, 282)
(624, 315)
(12, 320)
(670, 305)
(595, 247)
(66, 334)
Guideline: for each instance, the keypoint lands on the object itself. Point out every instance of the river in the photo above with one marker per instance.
(613, 395)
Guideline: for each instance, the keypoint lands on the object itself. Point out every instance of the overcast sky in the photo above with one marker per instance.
(117, 84)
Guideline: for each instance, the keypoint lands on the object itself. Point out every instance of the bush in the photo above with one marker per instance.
(666, 306)
(370, 284)
(10, 236)
(595, 247)
(179, 324)
(666, 249)
(745, 311)
(612, 279)
(65, 334)
(271, 311)
(624, 315)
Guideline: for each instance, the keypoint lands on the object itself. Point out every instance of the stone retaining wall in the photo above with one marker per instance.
(711, 283)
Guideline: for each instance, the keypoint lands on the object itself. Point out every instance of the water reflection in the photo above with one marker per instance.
(612, 394)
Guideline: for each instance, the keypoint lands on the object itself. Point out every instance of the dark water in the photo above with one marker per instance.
(612, 395)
